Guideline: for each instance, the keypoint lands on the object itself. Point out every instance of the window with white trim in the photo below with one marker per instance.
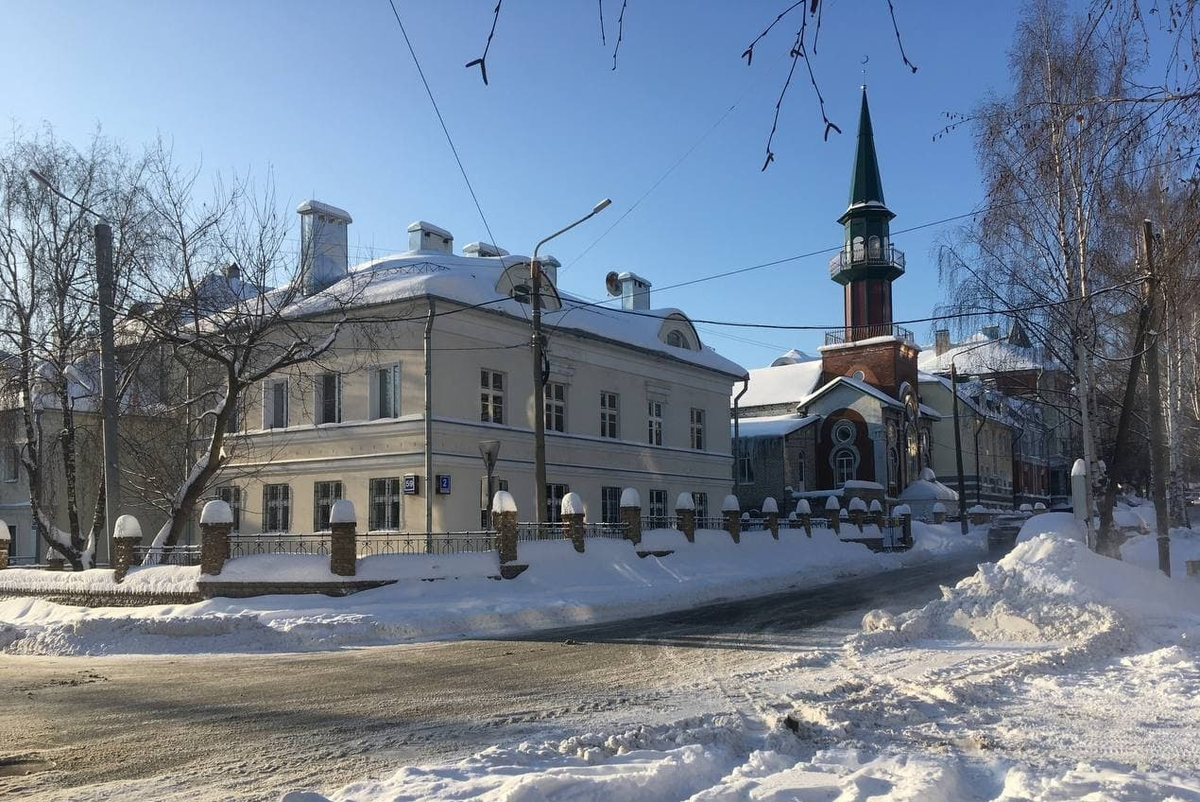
(491, 396)
(385, 504)
(655, 423)
(745, 464)
(232, 495)
(700, 502)
(277, 508)
(556, 406)
(554, 496)
(844, 466)
(275, 403)
(384, 400)
(327, 398)
(610, 505)
(658, 508)
(696, 419)
(324, 495)
(609, 414)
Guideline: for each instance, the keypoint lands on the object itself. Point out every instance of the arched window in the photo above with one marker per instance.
(676, 339)
(857, 249)
(844, 466)
(873, 247)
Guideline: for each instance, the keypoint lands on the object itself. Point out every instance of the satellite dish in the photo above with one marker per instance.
(612, 283)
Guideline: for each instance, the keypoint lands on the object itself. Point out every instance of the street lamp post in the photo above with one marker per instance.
(490, 451)
(102, 232)
(539, 377)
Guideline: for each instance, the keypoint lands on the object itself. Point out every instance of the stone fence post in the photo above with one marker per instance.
(804, 512)
(685, 513)
(833, 511)
(4, 543)
(572, 515)
(858, 512)
(875, 515)
(127, 534)
(504, 511)
(978, 515)
(631, 515)
(54, 560)
(343, 538)
(216, 522)
(731, 511)
(939, 513)
(904, 513)
(770, 509)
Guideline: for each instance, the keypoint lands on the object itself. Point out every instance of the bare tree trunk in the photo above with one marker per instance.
(1158, 440)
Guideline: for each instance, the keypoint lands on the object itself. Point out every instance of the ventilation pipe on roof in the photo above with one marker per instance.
(324, 256)
(635, 291)
(484, 249)
(423, 236)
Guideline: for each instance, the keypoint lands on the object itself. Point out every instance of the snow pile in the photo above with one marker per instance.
(1143, 550)
(943, 539)
(1055, 524)
(152, 579)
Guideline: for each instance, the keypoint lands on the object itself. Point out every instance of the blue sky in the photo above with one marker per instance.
(326, 96)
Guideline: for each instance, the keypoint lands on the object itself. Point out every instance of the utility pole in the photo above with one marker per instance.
(962, 490)
(108, 377)
(1158, 438)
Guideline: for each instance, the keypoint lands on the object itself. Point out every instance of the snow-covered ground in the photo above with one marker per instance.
(560, 588)
(1054, 674)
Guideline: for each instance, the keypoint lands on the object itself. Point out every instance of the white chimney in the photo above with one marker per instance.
(550, 267)
(484, 249)
(635, 291)
(424, 236)
(324, 255)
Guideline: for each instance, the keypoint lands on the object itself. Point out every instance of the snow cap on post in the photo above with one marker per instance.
(216, 512)
(572, 504)
(1026, 507)
(876, 506)
(903, 509)
(832, 503)
(630, 498)
(343, 512)
(1039, 507)
(977, 510)
(503, 502)
(770, 506)
(858, 505)
(685, 501)
(1079, 468)
(4, 536)
(939, 507)
(127, 528)
(844, 515)
(730, 504)
(928, 475)
(803, 508)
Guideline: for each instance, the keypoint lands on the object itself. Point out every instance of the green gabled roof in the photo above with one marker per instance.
(865, 184)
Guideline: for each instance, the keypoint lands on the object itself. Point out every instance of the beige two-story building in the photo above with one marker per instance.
(435, 359)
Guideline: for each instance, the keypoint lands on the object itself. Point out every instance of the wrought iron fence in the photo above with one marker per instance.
(376, 543)
(166, 555)
(615, 531)
(710, 522)
(278, 543)
(532, 530)
(659, 522)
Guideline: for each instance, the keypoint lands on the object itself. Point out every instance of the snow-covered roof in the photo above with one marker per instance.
(473, 281)
(310, 206)
(791, 357)
(857, 384)
(983, 401)
(979, 354)
(773, 426)
(781, 384)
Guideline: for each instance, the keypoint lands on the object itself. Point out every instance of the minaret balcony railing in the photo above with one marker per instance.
(859, 255)
(851, 334)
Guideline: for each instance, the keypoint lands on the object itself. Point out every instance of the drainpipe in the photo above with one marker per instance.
(736, 399)
(978, 466)
(429, 478)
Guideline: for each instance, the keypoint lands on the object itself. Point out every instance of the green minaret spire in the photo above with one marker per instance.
(865, 184)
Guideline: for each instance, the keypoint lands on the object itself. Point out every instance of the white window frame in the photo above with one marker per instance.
(375, 403)
(658, 506)
(610, 504)
(554, 496)
(556, 406)
(319, 390)
(654, 423)
(280, 507)
(745, 463)
(232, 495)
(700, 502)
(268, 404)
(323, 503)
(696, 428)
(491, 398)
(385, 490)
(610, 414)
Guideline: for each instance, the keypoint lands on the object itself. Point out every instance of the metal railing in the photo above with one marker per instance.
(532, 530)
(241, 545)
(614, 531)
(374, 544)
(166, 555)
(851, 334)
(659, 522)
(710, 522)
(856, 255)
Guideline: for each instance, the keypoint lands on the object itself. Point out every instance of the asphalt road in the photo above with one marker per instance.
(250, 726)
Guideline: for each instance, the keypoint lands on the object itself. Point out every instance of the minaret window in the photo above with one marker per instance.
(857, 252)
(873, 250)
